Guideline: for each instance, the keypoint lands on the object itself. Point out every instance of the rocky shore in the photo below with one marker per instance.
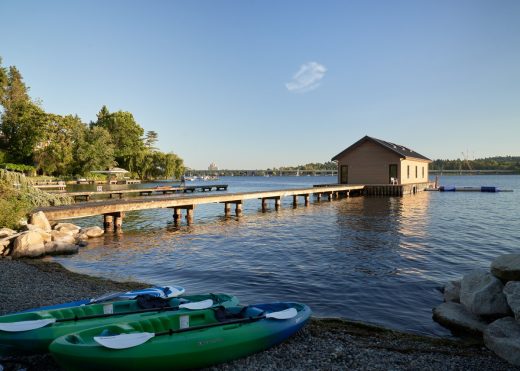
(327, 344)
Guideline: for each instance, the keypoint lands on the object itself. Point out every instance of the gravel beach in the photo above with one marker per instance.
(325, 344)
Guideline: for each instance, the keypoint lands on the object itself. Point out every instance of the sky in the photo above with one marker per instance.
(267, 83)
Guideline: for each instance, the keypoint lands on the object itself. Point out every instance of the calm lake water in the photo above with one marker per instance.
(380, 260)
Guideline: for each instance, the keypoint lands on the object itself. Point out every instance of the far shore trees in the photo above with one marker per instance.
(64, 146)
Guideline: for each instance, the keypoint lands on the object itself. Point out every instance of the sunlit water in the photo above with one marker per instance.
(379, 260)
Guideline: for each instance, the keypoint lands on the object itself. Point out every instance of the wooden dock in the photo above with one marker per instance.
(113, 210)
(85, 196)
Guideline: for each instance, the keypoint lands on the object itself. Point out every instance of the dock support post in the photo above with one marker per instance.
(307, 200)
(238, 208)
(227, 208)
(264, 205)
(329, 195)
(108, 222)
(277, 203)
(318, 197)
(189, 214)
(118, 221)
(295, 201)
(177, 215)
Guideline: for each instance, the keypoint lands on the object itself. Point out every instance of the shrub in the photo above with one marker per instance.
(18, 197)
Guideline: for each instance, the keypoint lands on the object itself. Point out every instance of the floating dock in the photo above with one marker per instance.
(472, 189)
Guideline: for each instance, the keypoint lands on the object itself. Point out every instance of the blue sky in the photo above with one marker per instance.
(262, 84)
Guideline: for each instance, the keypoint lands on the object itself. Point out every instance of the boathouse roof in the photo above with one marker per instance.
(399, 149)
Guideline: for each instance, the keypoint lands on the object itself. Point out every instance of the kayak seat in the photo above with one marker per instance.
(147, 301)
(223, 314)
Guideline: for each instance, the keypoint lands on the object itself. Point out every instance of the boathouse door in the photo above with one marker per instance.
(392, 176)
(343, 174)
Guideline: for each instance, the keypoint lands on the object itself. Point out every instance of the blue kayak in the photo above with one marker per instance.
(157, 291)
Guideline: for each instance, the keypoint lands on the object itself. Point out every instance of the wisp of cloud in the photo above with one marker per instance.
(307, 78)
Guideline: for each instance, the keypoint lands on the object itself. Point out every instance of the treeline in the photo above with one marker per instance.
(511, 163)
(313, 166)
(64, 146)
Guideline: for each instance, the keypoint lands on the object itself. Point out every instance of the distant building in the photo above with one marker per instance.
(375, 161)
(212, 167)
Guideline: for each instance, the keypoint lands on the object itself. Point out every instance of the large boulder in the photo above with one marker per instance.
(4, 247)
(503, 338)
(6, 232)
(452, 292)
(506, 267)
(63, 236)
(481, 294)
(40, 220)
(512, 293)
(29, 244)
(92, 232)
(67, 227)
(60, 248)
(46, 235)
(455, 316)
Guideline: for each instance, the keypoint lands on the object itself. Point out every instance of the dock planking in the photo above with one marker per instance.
(85, 196)
(113, 210)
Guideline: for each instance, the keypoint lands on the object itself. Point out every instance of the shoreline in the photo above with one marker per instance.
(322, 344)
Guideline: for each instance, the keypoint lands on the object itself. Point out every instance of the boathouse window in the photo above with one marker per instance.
(416, 173)
(423, 172)
(408, 171)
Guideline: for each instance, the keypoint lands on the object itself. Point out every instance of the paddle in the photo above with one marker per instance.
(124, 341)
(167, 292)
(39, 323)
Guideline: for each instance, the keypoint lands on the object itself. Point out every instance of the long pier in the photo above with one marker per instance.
(113, 210)
(145, 191)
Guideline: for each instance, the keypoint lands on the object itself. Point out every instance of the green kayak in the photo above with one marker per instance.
(34, 331)
(180, 340)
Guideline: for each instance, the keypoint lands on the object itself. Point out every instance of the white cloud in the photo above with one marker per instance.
(307, 78)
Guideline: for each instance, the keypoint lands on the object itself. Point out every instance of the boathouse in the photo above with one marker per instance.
(375, 161)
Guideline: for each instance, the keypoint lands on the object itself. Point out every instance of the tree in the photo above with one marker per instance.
(150, 140)
(55, 155)
(126, 134)
(13, 88)
(23, 125)
(94, 150)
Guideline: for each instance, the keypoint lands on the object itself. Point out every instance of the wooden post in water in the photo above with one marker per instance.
(189, 213)
(108, 222)
(227, 208)
(277, 203)
(118, 222)
(307, 200)
(238, 208)
(318, 196)
(264, 205)
(177, 215)
(295, 201)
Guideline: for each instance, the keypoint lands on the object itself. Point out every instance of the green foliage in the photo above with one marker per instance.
(26, 169)
(94, 150)
(56, 156)
(24, 125)
(313, 166)
(511, 163)
(14, 208)
(18, 197)
(125, 132)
